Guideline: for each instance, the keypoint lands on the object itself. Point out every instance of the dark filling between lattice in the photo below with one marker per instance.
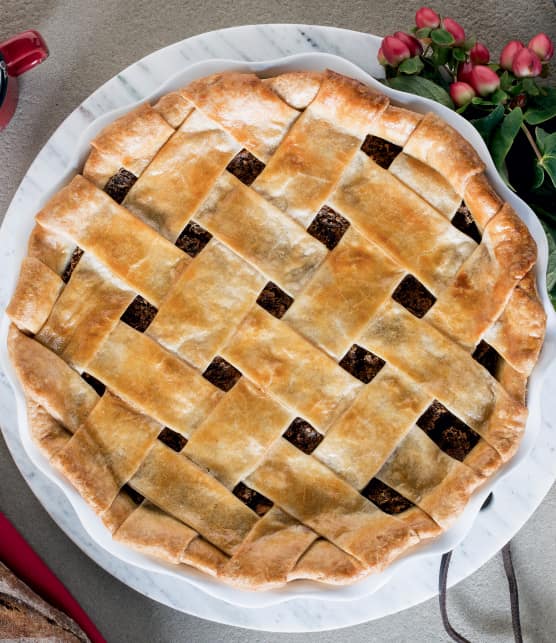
(222, 374)
(193, 239)
(98, 386)
(464, 222)
(139, 314)
(120, 184)
(386, 498)
(488, 357)
(171, 439)
(361, 363)
(274, 300)
(411, 294)
(245, 167)
(253, 499)
(303, 436)
(328, 227)
(452, 435)
(134, 495)
(382, 152)
(72, 263)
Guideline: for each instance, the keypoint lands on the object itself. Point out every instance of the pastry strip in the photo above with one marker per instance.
(196, 317)
(485, 282)
(88, 309)
(261, 234)
(176, 485)
(144, 260)
(50, 382)
(106, 450)
(291, 369)
(129, 142)
(447, 373)
(310, 492)
(246, 108)
(181, 175)
(436, 483)
(309, 161)
(235, 436)
(36, 292)
(364, 436)
(375, 202)
(153, 379)
(344, 294)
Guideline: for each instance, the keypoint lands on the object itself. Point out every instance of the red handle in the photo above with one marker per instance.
(23, 51)
(24, 562)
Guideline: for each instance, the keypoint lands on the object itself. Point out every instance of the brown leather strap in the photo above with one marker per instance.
(514, 596)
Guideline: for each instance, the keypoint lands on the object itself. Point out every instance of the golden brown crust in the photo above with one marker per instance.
(174, 108)
(50, 382)
(259, 125)
(296, 88)
(395, 124)
(326, 563)
(36, 292)
(478, 295)
(152, 531)
(47, 433)
(437, 144)
(49, 248)
(129, 142)
(481, 199)
(519, 331)
(303, 511)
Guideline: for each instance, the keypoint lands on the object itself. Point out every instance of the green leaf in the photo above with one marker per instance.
(499, 96)
(515, 89)
(459, 55)
(411, 65)
(546, 142)
(482, 101)
(530, 87)
(542, 108)
(486, 125)
(551, 268)
(538, 178)
(506, 81)
(442, 38)
(503, 138)
(469, 43)
(421, 87)
(423, 33)
(440, 56)
(547, 146)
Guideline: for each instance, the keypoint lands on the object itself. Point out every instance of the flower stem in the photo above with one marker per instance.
(531, 140)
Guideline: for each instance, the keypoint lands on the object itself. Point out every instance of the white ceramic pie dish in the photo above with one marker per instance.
(299, 589)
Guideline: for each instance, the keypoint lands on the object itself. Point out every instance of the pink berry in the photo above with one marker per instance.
(526, 63)
(453, 27)
(464, 72)
(509, 53)
(426, 17)
(395, 50)
(412, 43)
(461, 93)
(479, 54)
(484, 80)
(542, 46)
(381, 57)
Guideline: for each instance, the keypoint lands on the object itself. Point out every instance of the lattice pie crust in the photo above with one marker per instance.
(277, 329)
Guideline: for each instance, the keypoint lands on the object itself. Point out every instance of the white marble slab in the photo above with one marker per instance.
(516, 496)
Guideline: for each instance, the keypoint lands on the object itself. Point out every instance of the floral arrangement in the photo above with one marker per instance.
(510, 102)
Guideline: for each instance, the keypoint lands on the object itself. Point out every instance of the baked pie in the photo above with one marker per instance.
(278, 328)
